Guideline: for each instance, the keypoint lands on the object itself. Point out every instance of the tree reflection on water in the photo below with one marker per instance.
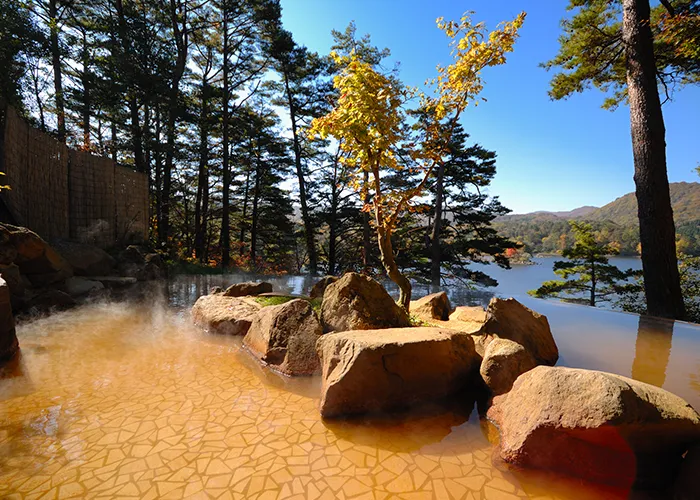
(652, 350)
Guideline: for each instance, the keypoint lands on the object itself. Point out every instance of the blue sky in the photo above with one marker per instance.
(552, 155)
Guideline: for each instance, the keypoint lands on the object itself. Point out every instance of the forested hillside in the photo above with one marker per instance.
(614, 223)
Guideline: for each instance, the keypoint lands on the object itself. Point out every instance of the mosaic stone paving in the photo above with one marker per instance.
(112, 402)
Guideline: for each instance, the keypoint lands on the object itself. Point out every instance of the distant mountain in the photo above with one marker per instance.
(685, 200)
(616, 222)
(542, 214)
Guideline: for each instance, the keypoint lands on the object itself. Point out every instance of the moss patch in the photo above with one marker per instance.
(273, 301)
(316, 305)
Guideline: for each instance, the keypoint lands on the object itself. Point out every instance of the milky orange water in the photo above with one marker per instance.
(132, 401)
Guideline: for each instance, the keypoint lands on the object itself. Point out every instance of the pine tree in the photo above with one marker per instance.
(624, 48)
(587, 276)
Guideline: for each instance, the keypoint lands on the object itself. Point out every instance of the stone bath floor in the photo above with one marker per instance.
(110, 402)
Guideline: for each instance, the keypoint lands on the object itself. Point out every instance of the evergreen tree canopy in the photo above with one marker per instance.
(587, 277)
(592, 51)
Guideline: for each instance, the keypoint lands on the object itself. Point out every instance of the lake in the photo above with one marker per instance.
(513, 282)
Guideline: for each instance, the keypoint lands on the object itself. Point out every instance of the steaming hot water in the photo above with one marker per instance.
(133, 401)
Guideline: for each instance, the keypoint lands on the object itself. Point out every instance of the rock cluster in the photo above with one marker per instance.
(43, 277)
(592, 425)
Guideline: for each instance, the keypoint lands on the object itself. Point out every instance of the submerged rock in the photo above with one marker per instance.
(224, 315)
(86, 260)
(594, 425)
(381, 370)
(285, 336)
(509, 319)
(77, 286)
(504, 361)
(357, 302)
(248, 288)
(49, 300)
(320, 287)
(8, 338)
(433, 306)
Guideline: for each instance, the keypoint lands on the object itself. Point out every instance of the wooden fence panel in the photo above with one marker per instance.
(63, 193)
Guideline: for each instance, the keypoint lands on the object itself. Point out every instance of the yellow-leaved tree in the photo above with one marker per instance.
(371, 121)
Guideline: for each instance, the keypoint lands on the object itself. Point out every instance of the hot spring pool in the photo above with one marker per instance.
(133, 401)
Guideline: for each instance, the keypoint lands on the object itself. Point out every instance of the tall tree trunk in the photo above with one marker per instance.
(593, 285)
(146, 138)
(244, 212)
(205, 217)
(333, 222)
(132, 99)
(255, 216)
(87, 85)
(305, 216)
(436, 262)
(136, 133)
(57, 72)
(386, 249)
(37, 96)
(113, 140)
(656, 227)
(366, 236)
(158, 178)
(225, 240)
(181, 43)
(203, 177)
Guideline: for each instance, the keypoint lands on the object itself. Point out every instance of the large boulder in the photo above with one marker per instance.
(36, 259)
(357, 302)
(509, 319)
(248, 288)
(383, 370)
(319, 288)
(224, 315)
(594, 425)
(86, 260)
(8, 338)
(504, 361)
(471, 314)
(285, 336)
(433, 306)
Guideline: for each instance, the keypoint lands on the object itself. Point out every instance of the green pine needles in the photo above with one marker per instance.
(587, 276)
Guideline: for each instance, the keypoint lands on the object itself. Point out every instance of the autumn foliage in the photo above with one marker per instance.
(371, 121)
